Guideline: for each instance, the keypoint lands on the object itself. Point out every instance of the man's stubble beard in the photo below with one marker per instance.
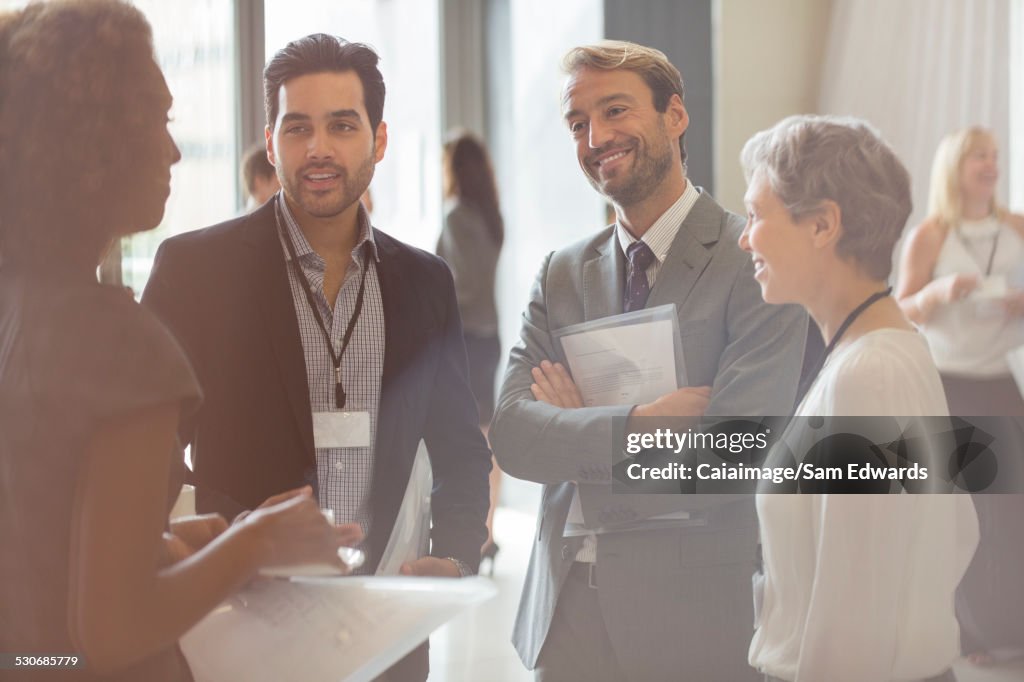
(648, 172)
(351, 191)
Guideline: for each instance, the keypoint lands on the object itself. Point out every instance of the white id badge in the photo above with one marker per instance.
(341, 429)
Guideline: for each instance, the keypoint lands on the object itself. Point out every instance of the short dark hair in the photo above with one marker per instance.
(73, 77)
(255, 164)
(320, 53)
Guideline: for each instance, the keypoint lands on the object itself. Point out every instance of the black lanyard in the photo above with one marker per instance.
(339, 391)
(805, 385)
(991, 254)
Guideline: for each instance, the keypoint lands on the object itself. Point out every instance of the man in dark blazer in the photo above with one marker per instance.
(254, 301)
(672, 600)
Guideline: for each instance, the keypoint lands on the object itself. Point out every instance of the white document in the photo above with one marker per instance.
(410, 536)
(626, 364)
(341, 429)
(324, 629)
(623, 365)
(1015, 358)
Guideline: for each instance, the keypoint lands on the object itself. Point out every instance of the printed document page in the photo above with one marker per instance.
(623, 365)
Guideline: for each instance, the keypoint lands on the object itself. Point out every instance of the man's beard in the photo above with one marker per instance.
(324, 206)
(649, 169)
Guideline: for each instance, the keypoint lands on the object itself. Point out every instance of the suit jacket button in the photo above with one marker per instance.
(566, 551)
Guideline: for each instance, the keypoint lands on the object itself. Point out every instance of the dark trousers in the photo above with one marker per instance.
(578, 647)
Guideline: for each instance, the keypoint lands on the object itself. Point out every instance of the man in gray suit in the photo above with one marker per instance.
(672, 603)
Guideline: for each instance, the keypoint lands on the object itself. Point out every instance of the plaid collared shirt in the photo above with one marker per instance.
(344, 475)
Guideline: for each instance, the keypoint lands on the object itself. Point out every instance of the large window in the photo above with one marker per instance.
(406, 187)
(195, 46)
(194, 41)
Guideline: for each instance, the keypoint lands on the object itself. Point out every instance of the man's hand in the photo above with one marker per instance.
(690, 401)
(430, 566)
(553, 385)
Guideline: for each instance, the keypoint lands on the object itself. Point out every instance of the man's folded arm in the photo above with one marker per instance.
(538, 442)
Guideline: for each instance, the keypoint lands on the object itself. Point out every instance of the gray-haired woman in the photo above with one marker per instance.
(856, 587)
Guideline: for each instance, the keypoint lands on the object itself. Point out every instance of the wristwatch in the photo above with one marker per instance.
(464, 569)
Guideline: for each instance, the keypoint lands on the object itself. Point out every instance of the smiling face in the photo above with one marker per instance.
(783, 250)
(979, 170)
(322, 144)
(626, 148)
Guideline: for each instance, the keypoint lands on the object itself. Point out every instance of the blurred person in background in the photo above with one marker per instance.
(962, 282)
(259, 177)
(91, 384)
(962, 277)
(470, 242)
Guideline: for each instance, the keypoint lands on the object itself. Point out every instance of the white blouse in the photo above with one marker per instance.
(860, 588)
(970, 338)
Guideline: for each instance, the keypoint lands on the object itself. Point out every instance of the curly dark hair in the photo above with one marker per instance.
(76, 80)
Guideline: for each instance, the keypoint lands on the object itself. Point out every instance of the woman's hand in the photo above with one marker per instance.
(1014, 303)
(294, 531)
(956, 287)
(190, 534)
(198, 531)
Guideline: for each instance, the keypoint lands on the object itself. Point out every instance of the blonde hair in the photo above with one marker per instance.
(652, 65)
(944, 199)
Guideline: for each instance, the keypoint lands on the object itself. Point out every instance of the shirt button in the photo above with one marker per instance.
(339, 466)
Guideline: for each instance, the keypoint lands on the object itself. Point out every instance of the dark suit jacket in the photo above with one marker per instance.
(224, 293)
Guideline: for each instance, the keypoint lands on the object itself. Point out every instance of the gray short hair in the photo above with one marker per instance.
(810, 159)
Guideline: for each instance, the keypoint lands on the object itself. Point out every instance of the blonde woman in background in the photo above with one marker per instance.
(960, 281)
(960, 277)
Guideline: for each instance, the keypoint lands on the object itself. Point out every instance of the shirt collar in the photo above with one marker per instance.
(663, 232)
(302, 248)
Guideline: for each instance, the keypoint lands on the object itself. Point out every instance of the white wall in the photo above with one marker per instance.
(768, 56)
(918, 70)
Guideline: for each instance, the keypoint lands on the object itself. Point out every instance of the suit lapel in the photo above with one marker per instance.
(400, 316)
(273, 296)
(689, 255)
(604, 280)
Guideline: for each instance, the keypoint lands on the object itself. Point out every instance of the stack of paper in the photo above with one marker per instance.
(324, 629)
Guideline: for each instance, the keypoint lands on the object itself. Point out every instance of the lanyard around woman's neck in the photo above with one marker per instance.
(991, 254)
(805, 385)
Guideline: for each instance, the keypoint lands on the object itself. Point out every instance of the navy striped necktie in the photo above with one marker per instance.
(637, 289)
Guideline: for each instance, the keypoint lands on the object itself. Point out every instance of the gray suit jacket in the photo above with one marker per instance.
(677, 602)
